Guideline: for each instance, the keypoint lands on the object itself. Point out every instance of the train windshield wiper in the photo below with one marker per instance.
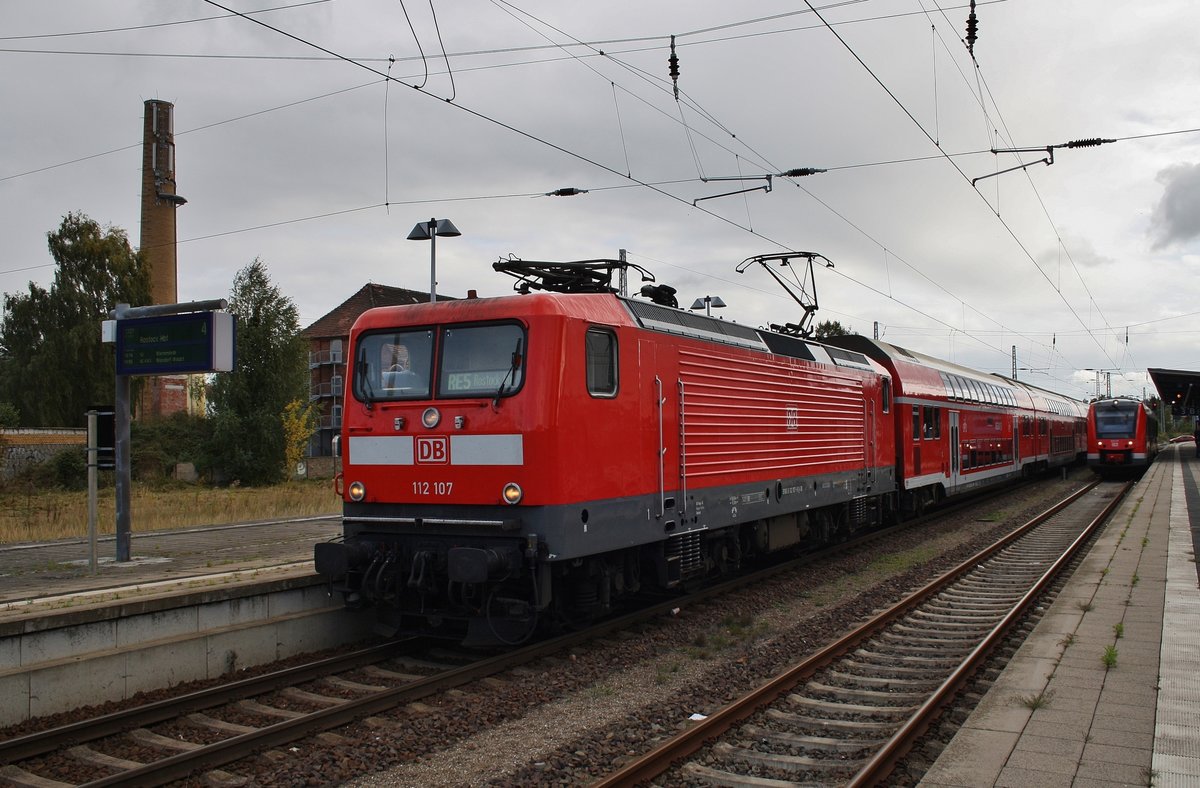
(362, 371)
(513, 366)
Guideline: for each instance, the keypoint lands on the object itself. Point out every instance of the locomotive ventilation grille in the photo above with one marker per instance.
(673, 321)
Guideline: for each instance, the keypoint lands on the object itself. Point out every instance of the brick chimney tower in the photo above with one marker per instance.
(165, 394)
(159, 200)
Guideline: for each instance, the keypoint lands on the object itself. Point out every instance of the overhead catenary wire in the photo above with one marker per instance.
(1005, 224)
(854, 165)
(749, 148)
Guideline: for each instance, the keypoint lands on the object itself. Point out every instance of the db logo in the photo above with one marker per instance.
(433, 451)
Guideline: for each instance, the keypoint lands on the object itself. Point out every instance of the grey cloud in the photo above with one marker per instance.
(1176, 218)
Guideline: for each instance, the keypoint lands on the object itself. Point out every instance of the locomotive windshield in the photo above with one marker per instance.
(481, 361)
(394, 365)
(1116, 421)
(474, 361)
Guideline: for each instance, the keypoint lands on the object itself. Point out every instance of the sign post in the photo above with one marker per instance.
(92, 452)
(157, 340)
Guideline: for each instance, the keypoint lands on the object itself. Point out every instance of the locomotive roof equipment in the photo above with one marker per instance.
(798, 289)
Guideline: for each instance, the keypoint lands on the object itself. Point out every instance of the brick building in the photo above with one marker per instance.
(328, 343)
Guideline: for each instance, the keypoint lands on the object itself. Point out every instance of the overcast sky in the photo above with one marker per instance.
(320, 167)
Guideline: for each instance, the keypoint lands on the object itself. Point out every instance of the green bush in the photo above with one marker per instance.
(156, 447)
(69, 469)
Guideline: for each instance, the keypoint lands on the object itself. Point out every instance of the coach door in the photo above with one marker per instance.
(955, 452)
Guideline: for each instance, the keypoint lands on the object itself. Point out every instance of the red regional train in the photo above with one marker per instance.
(525, 460)
(1122, 436)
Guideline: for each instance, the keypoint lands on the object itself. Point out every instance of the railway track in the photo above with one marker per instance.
(850, 712)
(169, 740)
(96, 749)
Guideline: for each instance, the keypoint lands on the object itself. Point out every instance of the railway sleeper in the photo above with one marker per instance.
(851, 709)
(901, 648)
(926, 683)
(211, 723)
(711, 776)
(303, 696)
(794, 721)
(865, 696)
(954, 601)
(950, 628)
(957, 615)
(931, 636)
(85, 754)
(254, 707)
(148, 738)
(925, 661)
(18, 776)
(799, 741)
(885, 670)
(786, 764)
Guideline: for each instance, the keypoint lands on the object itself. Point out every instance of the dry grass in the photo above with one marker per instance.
(36, 516)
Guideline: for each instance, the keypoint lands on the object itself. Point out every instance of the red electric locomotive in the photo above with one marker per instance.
(1122, 436)
(532, 458)
(514, 461)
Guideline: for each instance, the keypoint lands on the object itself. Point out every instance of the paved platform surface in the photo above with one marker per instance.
(161, 561)
(1103, 693)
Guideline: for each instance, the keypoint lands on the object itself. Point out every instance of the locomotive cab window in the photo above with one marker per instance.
(393, 365)
(601, 349)
(482, 360)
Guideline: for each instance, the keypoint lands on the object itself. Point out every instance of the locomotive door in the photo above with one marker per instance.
(662, 429)
(955, 452)
(869, 443)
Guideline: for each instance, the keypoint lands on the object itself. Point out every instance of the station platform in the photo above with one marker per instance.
(51, 576)
(1106, 691)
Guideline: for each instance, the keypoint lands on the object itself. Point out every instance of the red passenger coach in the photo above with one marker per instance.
(1122, 436)
(530, 458)
(959, 430)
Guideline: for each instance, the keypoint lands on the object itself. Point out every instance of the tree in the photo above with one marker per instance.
(53, 366)
(299, 423)
(831, 328)
(271, 371)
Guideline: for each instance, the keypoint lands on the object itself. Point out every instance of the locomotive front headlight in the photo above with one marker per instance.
(431, 417)
(358, 491)
(512, 493)
(1131, 443)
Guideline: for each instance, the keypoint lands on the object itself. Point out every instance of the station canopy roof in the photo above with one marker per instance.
(1179, 388)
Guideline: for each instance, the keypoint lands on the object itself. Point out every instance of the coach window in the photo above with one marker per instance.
(932, 428)
(601, 346)
(916, 422)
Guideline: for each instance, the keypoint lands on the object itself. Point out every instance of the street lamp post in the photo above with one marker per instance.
(708, 304)
(429, 231)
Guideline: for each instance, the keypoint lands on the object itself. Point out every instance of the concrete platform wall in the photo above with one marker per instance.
(53, 668)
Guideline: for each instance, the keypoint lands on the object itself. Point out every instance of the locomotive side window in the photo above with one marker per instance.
(393, 365)
(886, 396)
(601, 349)
(482, 361)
